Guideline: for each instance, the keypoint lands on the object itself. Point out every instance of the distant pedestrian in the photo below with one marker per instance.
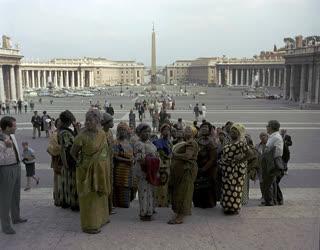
(31, 105)
(132, 120)
(203, 111)
(196, 112)
(25, 104)
(36, 124)
(110, 110)
(8, 107)
(3, 108)
(19, 106)
(15, 107)
(45, 123)
(51, 101)
(29, 159)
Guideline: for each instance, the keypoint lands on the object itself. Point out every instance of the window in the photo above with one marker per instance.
(171, 73)
(138, 73)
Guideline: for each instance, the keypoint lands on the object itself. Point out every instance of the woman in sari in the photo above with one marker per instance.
(68, 172)
(142, 148)
(234, 163)
(93, 184)
(183, 174)
(205, 193)
(164, 148)
(123, 167)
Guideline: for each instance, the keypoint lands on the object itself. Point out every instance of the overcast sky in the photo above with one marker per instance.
(186, 29)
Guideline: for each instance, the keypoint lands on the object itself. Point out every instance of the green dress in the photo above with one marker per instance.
(93, 187)
(183, 174)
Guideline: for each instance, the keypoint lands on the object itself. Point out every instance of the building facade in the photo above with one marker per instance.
(10, 72)
(264, 70)
(17, 74)
(302, 62)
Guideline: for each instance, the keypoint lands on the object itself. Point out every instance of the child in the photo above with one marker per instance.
(29, 160)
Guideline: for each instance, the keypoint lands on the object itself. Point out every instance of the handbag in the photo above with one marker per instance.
(151, 168)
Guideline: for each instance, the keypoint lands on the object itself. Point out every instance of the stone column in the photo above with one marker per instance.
(19, 84)
(291, 82)
(33, 79)
(274, 77)
(27, 79)
(231, 76)
(242, 77)
(81, 84)
(50, 77)
(252, 77)
(45, 78)
(2, 93)
(310, 84)
(302, 82)
(237, 82)
(67, 79)
(269, 77)
(72, 79)
(55, 79)
(263, 77)
(247, 77)
(317, 88)
(219, 77)
(38, 79)
(61, 79)
(13, 84)
(92, 79)
(227, 74)
(78, 79)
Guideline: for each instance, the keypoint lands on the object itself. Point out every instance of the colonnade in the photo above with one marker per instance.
(252, 76)
(303, 83)
(58, 78)
(10, 83)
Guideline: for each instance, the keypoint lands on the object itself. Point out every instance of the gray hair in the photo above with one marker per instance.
(94, 114)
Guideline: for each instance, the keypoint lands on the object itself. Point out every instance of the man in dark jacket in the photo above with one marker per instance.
(36, 124)
(287, 142)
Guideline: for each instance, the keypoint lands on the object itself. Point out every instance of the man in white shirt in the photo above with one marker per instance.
(10, 176)
(273, 194)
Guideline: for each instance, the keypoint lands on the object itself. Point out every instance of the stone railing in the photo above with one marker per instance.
(304, 50)
(10, 52)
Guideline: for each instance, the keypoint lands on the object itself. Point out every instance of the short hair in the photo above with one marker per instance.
(25, 143)
(67, 117)
(6, 121)
(44, 112)
(274, 125)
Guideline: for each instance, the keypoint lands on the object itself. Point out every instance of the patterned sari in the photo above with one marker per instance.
(233, 176)
(122, 173)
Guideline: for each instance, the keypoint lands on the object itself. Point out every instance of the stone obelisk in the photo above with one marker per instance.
(153, 58)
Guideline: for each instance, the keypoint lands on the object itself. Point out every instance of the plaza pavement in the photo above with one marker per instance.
(295, 225)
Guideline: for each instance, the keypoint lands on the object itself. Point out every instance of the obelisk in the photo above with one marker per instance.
(153, 58)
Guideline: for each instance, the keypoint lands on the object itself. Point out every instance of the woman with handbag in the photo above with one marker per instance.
(183, 174)
(164, 148)
(146, 169)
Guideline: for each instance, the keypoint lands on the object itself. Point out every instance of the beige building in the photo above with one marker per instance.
(80, 73)
(217, 71)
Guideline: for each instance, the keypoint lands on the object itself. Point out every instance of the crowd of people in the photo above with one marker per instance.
(95, 172)
(18, 107)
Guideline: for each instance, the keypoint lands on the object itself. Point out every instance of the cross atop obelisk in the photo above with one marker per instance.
(153, 58)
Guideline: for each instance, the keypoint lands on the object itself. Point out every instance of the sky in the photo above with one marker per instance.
(185, 29)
